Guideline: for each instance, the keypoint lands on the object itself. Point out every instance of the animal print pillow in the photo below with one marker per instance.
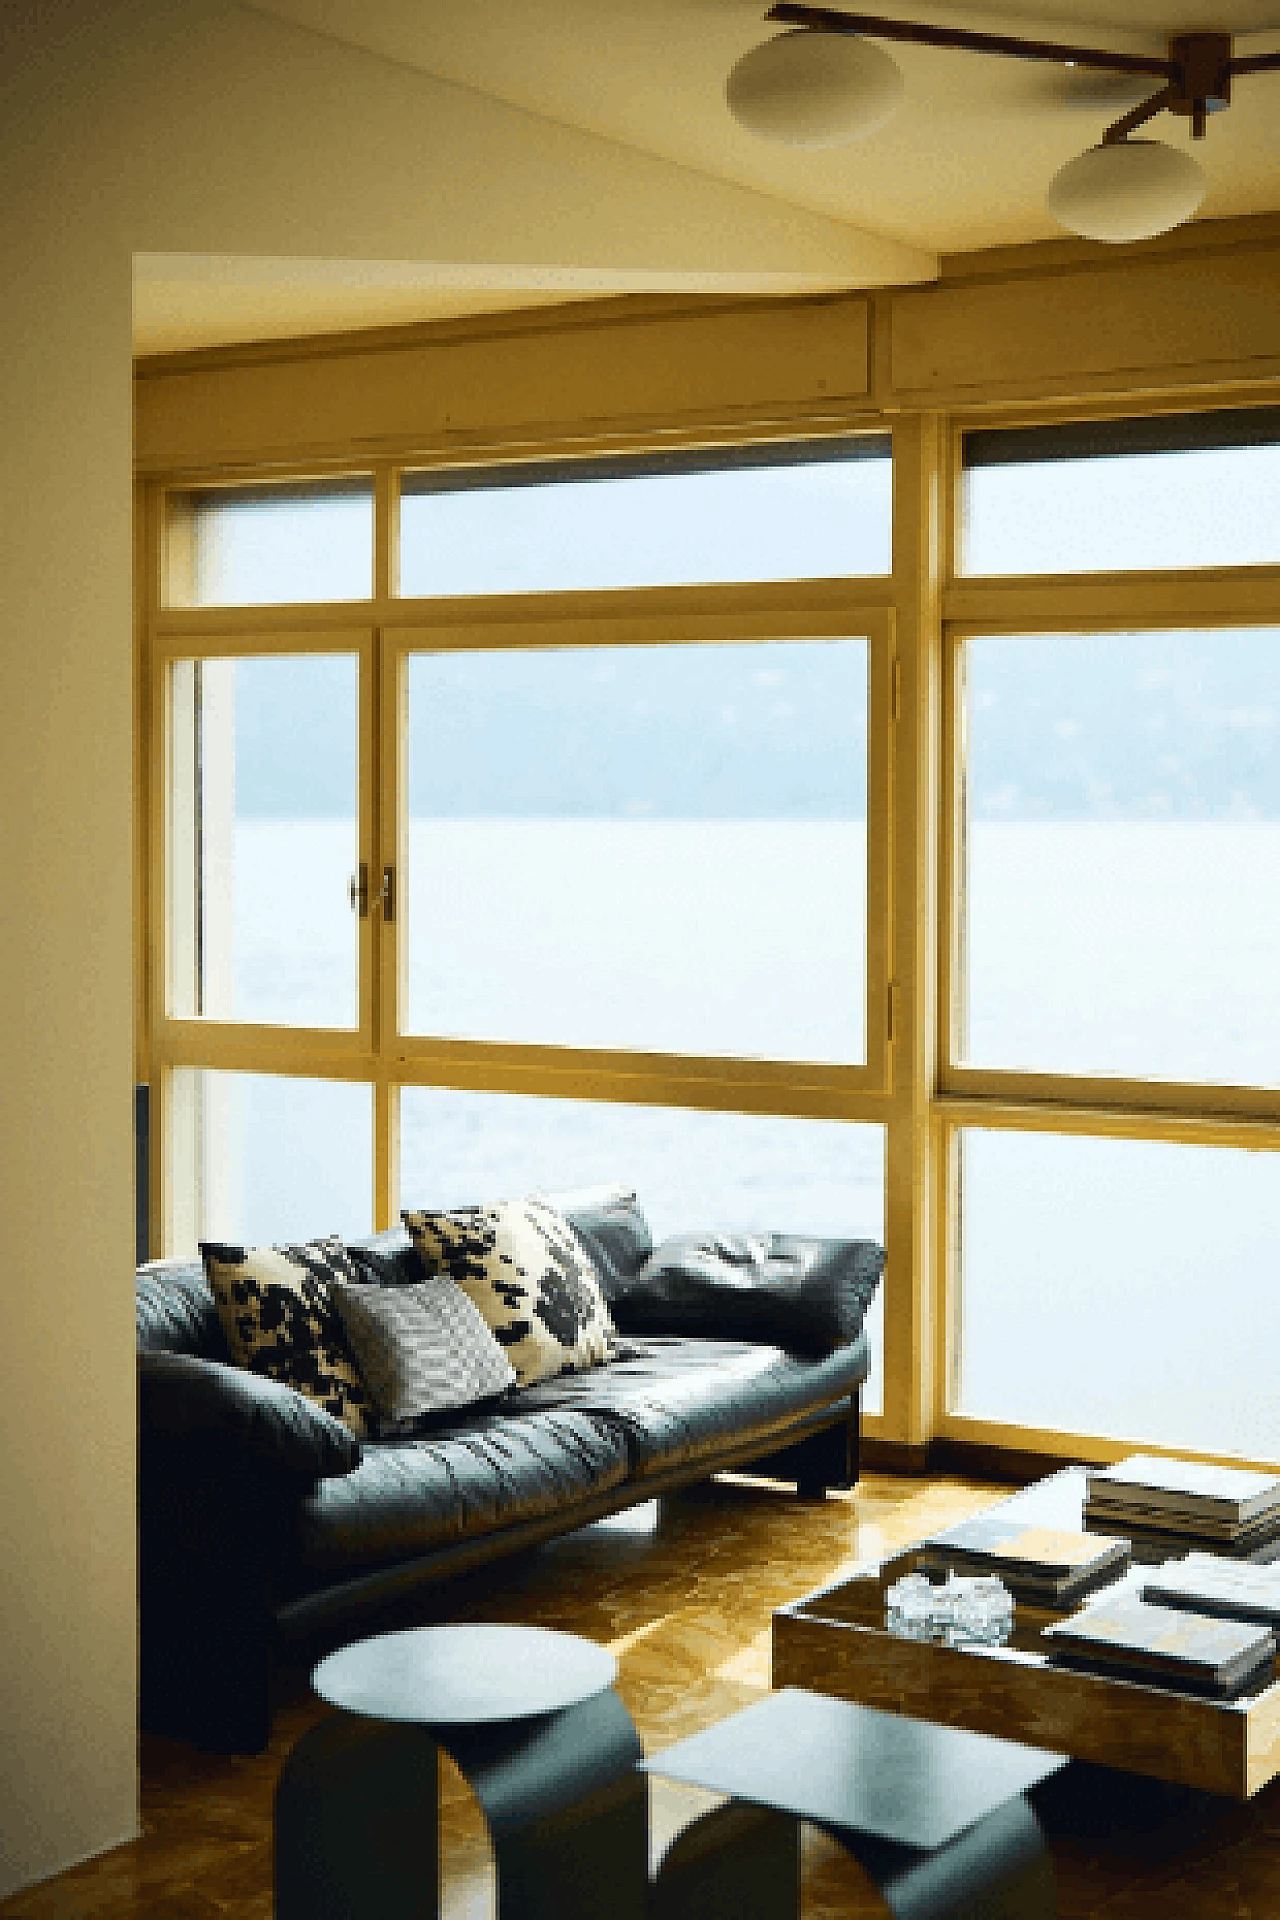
(531, 1277)
(280, 1320)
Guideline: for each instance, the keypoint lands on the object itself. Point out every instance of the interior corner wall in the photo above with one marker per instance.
(67, 1616)
(178, 125)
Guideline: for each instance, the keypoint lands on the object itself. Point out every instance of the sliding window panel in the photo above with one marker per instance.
(811, 511)
(728, 1172)
(263, 838)
(267, 545)
(1121, 905)
(258, 1159)
(1166, 491)
(1120, 1287)
(655, 847)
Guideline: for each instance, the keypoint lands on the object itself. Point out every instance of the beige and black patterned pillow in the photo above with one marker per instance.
(531, 1277)
(422, 1348)
(280, 1320)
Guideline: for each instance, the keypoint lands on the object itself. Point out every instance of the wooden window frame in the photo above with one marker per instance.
(383, 631)
(1198, 1114)
(916, 620)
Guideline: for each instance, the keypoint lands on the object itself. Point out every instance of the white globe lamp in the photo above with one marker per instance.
(1128, 190)
(813, 89)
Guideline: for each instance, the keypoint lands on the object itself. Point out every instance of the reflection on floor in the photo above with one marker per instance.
(682, 1593)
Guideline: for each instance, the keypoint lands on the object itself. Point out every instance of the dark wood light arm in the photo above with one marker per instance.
(1198, 71)
(1138, 117)
(833, 21)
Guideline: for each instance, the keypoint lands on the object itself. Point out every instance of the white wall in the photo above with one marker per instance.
(181, 125)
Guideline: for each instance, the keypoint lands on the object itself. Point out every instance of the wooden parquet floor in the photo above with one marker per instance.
(682, 1592)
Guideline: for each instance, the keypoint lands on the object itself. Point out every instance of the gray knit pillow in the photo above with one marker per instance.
(422, 1348)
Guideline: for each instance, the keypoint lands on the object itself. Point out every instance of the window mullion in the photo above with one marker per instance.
(913, 1380)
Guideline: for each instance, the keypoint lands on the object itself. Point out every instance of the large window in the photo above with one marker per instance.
(659, 816)
(530, 893)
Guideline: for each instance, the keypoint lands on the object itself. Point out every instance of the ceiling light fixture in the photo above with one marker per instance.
(824, 84)
(814, 89)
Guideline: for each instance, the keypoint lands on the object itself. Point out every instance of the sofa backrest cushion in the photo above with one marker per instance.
(795, 1291)
(175, 1310)
(607, 1219)
(614, 1232)
(175, 1313)
(388, 1259)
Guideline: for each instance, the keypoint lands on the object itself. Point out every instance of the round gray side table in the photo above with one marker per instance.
(532, 1722)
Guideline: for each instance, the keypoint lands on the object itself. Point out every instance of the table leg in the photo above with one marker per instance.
(737, 1862)
(356, 1825)
(741, 1862)
(567, 1810)
(357, 1816)
(998, 1869)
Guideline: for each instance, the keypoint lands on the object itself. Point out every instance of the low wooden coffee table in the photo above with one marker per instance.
(834, 1641)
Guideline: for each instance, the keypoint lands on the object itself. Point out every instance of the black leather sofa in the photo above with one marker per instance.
(264, 1525)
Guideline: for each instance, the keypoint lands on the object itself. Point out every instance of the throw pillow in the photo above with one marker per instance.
(280, 1320)
(422, 1348)
(804, 1294)
(531, 1277)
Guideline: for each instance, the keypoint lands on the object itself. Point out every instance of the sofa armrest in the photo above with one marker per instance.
(805, 1294)
(183, 1398)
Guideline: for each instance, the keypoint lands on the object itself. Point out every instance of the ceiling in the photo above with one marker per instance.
(963, 164)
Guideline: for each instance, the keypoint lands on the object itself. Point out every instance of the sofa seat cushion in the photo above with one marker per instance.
(680, 1401)
(475, 1475)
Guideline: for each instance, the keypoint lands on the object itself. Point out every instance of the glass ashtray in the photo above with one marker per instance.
(965, 1610)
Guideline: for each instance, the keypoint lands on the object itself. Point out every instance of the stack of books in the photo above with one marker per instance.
(1159, 1502)
(1131, 1639)
(1043, 1566)
(1205, 1583)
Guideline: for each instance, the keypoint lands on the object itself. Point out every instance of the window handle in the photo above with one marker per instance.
(383, 901)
